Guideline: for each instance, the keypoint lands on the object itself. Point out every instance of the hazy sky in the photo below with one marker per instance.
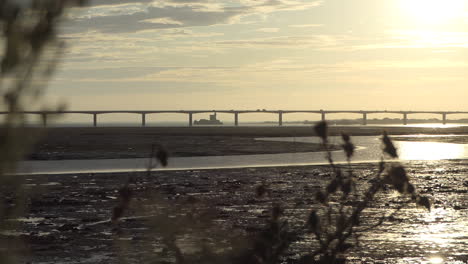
(274, 54)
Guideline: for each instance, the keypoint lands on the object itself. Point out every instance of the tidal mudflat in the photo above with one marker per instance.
(123, 143)
(68, 220)
(68, 217)
(136, 142)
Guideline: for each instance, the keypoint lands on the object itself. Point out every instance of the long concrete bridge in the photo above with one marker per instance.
(236, 113)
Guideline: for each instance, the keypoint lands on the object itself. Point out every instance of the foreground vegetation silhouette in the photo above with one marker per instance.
(334, 223)
(31, 50)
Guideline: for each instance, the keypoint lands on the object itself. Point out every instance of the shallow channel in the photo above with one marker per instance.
(368, 150)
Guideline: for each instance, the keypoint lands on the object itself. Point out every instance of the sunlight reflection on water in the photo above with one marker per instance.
(430, 150)
(436, 260)
(436, 125)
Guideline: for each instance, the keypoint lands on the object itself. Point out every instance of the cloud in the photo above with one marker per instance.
(281, 70)
(321, 42)
(268, 30)
(123, 16)
(144, 20)
(306, 25)
(163, 20)
(415, 39)
(116, 2)
(442, 41)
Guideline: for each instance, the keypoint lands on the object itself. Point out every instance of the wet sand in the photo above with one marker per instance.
(68, 220)
(68, 215)
(122, 145)
(136, 142)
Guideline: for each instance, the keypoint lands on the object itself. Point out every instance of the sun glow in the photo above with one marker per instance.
(429, 150)
(434, 11)
(436, 260)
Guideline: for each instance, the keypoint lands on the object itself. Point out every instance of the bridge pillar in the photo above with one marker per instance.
(405, 119)
(444, 118)
(143, 119)
(280, 118)
(95, 120)
(364, 119)
(190, 119)
(44, 119)
(236, 119)
(323, 116)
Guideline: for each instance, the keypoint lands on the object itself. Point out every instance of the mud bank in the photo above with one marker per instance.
(121, 142)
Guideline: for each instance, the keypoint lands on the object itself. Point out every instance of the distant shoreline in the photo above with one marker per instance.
(136, 142)
(256, 131)
(118, 143)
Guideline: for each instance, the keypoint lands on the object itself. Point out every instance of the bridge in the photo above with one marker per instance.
(236, 113)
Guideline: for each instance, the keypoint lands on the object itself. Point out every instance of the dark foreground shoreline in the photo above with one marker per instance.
(68, 215)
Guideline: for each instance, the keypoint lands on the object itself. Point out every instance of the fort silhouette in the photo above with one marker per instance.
(236, 114)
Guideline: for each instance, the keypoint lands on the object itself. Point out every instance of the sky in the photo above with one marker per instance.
(272, 54)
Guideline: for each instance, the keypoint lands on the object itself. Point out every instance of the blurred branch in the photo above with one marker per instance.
(30, 53)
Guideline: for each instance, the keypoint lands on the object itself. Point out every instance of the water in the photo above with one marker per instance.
(368, 150)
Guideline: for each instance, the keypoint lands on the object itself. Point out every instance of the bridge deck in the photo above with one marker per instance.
(236, 113)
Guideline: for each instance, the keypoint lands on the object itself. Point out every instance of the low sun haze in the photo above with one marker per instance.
(283, 54)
